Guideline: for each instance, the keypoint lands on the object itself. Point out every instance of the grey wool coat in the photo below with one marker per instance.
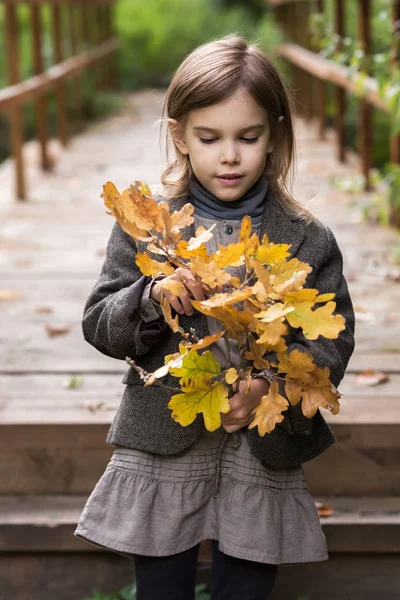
(114, 324)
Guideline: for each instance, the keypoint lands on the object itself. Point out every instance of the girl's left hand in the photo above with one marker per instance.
(243, 404)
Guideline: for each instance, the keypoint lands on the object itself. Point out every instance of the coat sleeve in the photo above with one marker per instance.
(115, 319)
(335, 353)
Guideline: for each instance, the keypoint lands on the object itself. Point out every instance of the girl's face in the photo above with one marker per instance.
(227, 144)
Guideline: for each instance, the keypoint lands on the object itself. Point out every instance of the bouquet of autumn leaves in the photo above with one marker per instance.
(256, 312)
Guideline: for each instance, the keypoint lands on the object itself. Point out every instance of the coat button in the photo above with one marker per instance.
(228, 230)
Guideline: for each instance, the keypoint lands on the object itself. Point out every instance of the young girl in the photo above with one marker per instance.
(168, 487)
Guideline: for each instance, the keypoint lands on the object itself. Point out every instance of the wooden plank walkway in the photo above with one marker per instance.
(52, 249)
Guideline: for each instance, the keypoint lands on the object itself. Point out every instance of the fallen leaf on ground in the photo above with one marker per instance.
(324, 510)
(371, 377)
(44, 309)
(10, 295)
(53, 331)
(75, 381)
(99, 406)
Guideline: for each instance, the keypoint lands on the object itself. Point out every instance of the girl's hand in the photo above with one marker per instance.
(243, 404)
(180, 303)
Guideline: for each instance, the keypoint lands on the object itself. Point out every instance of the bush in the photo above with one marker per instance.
(157, 34)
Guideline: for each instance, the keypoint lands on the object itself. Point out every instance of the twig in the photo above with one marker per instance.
(228, 352)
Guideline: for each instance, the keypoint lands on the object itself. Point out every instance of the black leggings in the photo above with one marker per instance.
(173, 577)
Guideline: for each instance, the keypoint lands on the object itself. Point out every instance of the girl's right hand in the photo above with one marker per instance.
(182, 302)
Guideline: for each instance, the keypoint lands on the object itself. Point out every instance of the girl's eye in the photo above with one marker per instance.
(249, 140)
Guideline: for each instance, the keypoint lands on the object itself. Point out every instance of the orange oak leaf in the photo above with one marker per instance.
(269, 412)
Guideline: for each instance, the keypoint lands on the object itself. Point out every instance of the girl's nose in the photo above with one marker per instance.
(230, 155)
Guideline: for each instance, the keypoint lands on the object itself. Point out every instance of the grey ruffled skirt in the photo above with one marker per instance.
(161, 505)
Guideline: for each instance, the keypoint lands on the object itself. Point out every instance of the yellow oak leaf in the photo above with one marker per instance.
(262, 274)
(202, 236)
(176, 361)
(316, 322)
(256, 354)
(182, 251)
(293, 392)
(269, 411)
(276, 311)
(182, 218)
(305, 295)
(269, 253)
(207, 341)
(297, 364)
(245, 229)
(122, 208)
(235, 282)
(229, 256)
(219, 300)
(231, 375)
(293, 284)
(211, 399)
(196, 367)
(148, 215)
(315, 397)
(148, 266)
(284, 270)
(271, 334)
(174, 286)
(209, 272)
(172, 322)
(260, 294)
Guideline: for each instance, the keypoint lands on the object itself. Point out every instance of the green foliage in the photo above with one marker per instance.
(157, 34)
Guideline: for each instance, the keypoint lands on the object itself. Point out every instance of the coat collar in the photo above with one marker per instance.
(277, 223)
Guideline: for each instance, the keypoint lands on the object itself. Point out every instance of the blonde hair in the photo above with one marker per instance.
(210, 75)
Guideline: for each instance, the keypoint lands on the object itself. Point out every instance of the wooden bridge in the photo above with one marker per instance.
(53, 426)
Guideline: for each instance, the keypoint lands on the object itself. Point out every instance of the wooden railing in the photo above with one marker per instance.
(82, 38)
(312, 72)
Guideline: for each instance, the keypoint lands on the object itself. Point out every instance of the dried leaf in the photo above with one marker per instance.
(151, 267)
(196, 367)
(202, 236)
(210, 399)
(53, 331)
(74, 382)
(231, 376)
(209, 272)
(324, 510)
(10, 295)
(44, 309)
(370, 377)
(269, 411)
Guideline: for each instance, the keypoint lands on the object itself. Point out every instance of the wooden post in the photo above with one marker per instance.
(340, 92)
(13, 75)
(60, 86)
(73, 26)
(321, 90)
(366, 115)
(41, 104)
(395, 140)
(100, 37)
(112, 63)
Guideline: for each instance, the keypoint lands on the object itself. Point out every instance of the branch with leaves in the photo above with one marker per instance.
(256, 312)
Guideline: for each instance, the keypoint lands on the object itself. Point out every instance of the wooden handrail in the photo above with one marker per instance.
(36, 86)
(324, 70)
(96, 15)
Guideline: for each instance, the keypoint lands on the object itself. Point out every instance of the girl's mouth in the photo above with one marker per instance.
(230, 179)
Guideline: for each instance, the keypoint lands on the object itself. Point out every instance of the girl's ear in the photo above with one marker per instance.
(177, 135)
